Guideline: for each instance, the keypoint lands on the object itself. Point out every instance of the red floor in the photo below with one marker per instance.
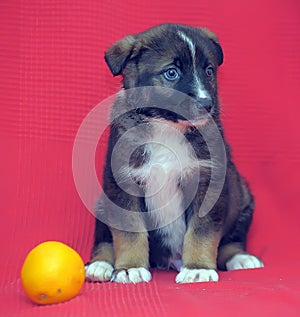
(53, 74)
(269, 292)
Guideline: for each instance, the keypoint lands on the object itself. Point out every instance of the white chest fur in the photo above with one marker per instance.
(171, 158)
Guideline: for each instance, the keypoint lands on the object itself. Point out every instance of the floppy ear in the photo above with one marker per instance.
(119, 53)
(213, 37)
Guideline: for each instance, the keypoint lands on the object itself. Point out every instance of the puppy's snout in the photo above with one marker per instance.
(206, 103)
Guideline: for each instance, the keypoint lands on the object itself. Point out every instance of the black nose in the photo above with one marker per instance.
(205, 103)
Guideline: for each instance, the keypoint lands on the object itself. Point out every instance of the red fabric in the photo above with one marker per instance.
(53, 74)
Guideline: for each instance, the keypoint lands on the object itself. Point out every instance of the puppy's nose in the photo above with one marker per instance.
(205, 103)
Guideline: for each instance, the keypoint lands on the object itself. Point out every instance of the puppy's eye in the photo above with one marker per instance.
(209, 71)
(171, 74)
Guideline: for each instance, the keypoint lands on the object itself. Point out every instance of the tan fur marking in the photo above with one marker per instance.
(200, 250)
(104, 252)
(131, 249)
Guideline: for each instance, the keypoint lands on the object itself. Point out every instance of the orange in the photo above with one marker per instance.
(52, 273)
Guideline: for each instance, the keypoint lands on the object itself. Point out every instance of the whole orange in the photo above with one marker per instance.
(52, 273)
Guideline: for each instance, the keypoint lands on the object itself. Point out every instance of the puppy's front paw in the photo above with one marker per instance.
(243, 261)
(131, 276)
(98, 271)
(196, 275)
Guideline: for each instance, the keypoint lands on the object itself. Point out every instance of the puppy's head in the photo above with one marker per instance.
(173, 56)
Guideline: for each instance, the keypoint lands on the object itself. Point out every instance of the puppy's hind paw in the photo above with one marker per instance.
(98, 271)
(243, 261)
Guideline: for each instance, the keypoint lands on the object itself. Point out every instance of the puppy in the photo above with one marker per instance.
(166, 159)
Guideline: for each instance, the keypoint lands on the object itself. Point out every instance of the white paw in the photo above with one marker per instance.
(132, 276)
(98, 271)
(243, 261)
(196, 275)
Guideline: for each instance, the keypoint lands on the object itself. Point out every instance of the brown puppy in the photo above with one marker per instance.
(172, 196)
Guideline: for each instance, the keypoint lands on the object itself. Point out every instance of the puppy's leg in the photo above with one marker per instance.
(132, 257)
(199, 252)
(232, 254)
(131, 249)
(100, 267)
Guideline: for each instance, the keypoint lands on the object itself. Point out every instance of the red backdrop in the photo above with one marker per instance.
(53, 73)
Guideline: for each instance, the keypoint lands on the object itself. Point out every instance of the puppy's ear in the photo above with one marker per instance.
(213, 37)
(119, 54)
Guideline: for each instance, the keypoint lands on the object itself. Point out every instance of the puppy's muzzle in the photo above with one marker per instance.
(206, 103)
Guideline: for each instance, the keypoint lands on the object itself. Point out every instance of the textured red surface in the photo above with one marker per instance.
(52, 74)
